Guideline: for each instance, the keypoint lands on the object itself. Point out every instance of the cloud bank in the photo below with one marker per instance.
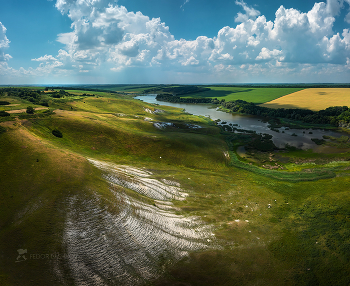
(107, 36)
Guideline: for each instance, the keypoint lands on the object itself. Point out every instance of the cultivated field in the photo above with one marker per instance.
(256, 95)
(312, 98)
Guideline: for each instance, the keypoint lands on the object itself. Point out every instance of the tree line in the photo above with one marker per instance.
(81, 88)
(177, 99)
(332, 115)
(34, 96)
(37, 96)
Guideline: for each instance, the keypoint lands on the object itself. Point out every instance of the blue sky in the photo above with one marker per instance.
(174, 41)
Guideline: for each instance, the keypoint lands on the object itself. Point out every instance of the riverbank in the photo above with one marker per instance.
(281, 135)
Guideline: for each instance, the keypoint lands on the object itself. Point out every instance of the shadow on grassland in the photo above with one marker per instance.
(281, 105)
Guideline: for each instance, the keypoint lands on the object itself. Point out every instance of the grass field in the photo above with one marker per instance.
(80, 92)
(17, 103)
(256, 95)
(270, 229)
(126, 88)
(313, 99)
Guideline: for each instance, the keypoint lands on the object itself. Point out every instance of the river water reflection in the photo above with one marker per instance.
(301, 140)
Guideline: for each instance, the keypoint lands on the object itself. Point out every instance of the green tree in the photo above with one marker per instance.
(4, 113)
(57, 133)
(30, 110)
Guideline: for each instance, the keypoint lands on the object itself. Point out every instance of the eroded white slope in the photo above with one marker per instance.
(138, 180)
(128, 246)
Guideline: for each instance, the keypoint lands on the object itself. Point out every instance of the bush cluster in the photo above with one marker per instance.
(331, 115)
(57, 133)
(177, 99)
(4, 113)
(30, 110)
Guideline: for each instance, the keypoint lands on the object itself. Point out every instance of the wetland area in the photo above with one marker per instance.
(300, 138)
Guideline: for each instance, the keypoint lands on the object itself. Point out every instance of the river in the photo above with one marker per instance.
(302, 139)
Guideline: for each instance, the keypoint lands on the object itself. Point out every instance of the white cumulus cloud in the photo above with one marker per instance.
(4, 43)
(106, 36)
(46, 58)
(250, 13)
(266, 54)
(105, 32)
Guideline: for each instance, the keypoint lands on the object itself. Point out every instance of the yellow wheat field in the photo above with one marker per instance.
(312, 98)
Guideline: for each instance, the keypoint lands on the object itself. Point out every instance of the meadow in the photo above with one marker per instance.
(16, 103)
(288, 227)
(123, 88)
(250, 94)
(312, 98)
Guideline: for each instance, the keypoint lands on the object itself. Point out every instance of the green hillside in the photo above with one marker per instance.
(140, 194)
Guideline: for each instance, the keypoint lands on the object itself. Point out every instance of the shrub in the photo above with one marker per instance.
(56, 95)
(57, 133)
(318, 141)
(30, 110)
(4, 102)
(4, 113)
(44, 102)
(26, 116)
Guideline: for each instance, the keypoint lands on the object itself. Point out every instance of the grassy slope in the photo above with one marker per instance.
(106, 133)
(268, 245)
(17, 103)
(80, 92)
(36, 179)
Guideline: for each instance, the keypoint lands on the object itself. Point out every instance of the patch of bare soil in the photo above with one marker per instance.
(139, 181)
(24, 110)
(133, 245)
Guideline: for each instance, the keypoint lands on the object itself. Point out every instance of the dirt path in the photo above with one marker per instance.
(24, 110)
